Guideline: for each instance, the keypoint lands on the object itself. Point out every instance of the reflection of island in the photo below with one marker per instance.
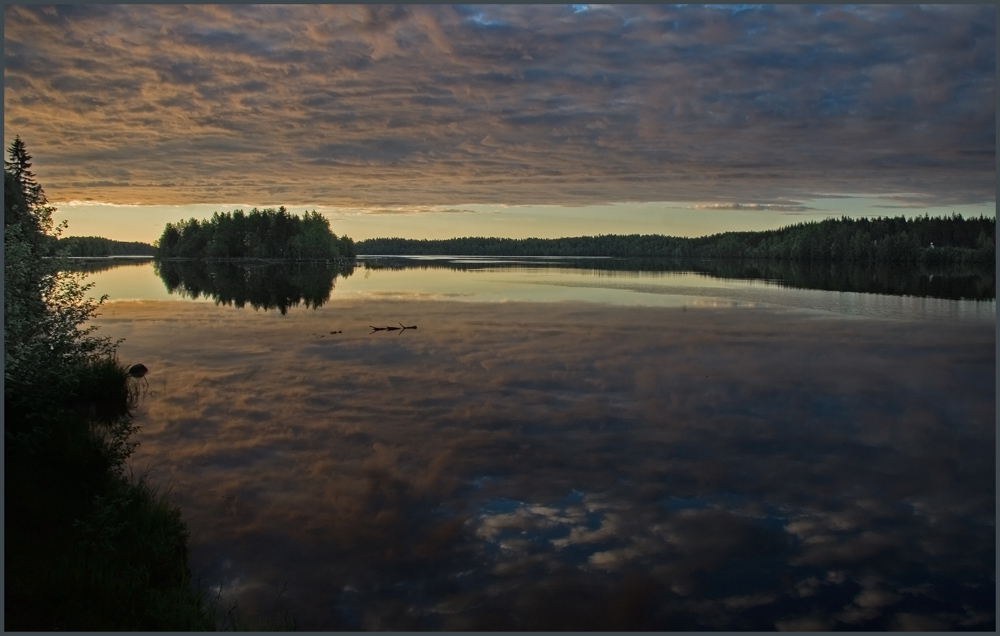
(261, 285)
(972, 281)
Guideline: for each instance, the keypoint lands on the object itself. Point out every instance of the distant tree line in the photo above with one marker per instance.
(269, 233)
(98, 246)
(920, 239)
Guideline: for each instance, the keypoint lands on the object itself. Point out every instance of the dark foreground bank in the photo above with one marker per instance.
(89, 547)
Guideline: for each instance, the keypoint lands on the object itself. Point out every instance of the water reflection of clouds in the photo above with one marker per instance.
(618, 287)
(533, 466)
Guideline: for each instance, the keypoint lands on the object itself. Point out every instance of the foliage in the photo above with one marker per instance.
(18, 167)
(86, 547)
(45, 310)
(135, 541)
(90, 547)
(45, 343)
(920, 239)
(268, 233)
(96, 246)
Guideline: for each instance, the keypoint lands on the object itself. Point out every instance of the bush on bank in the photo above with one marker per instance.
(88, 546)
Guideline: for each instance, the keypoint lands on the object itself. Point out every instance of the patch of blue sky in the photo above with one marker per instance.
(733, 8)
(481, 19)
(476, 15)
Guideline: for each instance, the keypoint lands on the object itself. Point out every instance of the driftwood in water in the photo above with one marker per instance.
(401, 328)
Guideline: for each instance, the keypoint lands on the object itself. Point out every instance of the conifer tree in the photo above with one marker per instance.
(25, 204)
(18, 166)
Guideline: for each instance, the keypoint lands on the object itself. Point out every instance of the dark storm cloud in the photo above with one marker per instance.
(430, 105)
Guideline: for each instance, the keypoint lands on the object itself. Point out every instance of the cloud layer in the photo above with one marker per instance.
(412, 105)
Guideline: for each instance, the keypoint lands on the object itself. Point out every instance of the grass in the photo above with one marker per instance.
(236, 620)
(104, 386)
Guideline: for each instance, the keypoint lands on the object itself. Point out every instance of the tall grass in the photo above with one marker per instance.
(129, 571)
(235, 619)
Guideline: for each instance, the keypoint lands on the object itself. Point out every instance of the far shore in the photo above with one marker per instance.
(104, 258)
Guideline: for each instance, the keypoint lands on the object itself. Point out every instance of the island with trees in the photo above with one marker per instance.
(260, 234)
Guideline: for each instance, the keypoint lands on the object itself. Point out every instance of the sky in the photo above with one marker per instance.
(507, 120)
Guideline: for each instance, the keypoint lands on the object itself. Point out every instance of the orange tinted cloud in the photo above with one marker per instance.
(437, 105)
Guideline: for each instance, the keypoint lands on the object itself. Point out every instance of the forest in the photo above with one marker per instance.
(924, 239)
(260, 234)
(96, 246)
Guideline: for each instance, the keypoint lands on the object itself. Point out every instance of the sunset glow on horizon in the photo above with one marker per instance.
(506, 120)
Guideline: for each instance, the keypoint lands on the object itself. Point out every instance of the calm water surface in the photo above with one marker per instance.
(556, 448)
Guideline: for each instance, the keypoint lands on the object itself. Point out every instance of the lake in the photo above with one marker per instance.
(573, 444)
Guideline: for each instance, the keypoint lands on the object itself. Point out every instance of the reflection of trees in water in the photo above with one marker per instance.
(954, 282)
(261, 285)
(92, 266)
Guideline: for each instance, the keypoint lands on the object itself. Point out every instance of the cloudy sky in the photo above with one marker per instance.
(554, 120)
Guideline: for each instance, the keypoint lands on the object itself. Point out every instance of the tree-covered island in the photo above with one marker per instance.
(260, 234)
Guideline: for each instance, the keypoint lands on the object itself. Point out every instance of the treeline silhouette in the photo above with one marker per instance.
(269, 233)
(924, 239)
(96, 246)
(953, 281)
(261, 285)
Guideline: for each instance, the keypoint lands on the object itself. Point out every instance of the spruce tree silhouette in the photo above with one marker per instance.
(18, 166)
